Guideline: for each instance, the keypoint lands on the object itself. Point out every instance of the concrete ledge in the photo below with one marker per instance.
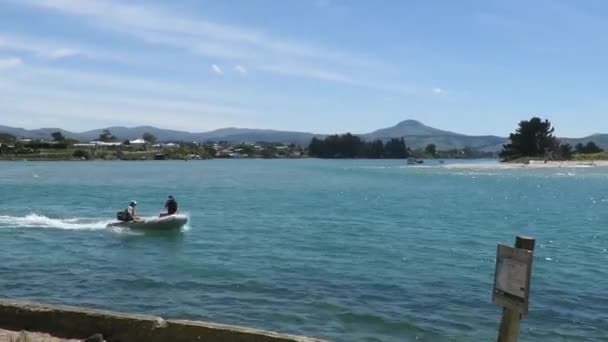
(26, 336)
(74, 322)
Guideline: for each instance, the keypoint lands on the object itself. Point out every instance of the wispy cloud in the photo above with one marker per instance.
(75, 110)
(240, 69)
(337, 77)
(306, 72)
(11, 62)
(114, 83)
(63, 52)
(216, 69)
(94, 97)
(438, 91)
(36, 46)
(130, 102)
(233, 45)
(52, 49)
(200, 36)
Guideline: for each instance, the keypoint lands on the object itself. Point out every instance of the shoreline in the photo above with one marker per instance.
(458, 163)
(532, 164)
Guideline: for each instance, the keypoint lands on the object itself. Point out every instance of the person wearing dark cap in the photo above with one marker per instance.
(171, 206)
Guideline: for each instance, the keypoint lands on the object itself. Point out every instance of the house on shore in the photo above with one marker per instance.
(98, 145)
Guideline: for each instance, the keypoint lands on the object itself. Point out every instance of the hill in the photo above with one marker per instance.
(406, 128)
(232, 135)
(416, 135)
(600, 140)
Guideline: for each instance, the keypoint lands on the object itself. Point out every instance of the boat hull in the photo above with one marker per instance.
(166, 223)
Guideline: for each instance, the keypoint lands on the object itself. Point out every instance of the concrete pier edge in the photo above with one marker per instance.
(78, 323)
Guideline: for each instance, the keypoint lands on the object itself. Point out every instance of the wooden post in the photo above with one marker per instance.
(509, 324)
(524, 242)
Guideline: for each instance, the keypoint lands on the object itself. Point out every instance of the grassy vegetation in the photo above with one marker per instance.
(37, 151)
(79, 154)
(591, 156)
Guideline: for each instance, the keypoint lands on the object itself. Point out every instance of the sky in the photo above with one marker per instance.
(323, 66)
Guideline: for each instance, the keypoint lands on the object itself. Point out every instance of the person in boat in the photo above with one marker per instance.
(171, 206)
(129, 213)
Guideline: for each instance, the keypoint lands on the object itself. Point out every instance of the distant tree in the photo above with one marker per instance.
(5, 141)
(7, 138)
(337, 146)
(149, 137)
(396, 149)
(57, 136)
(564, 152)
(209, 151)
(468, 152)
(376, 149)
(69, 142)
(106, 136)
(269, 152)
(81, 154)
(126, 142)
(351, 146)
(316, 148)
(431, 149)
(246, 148)
(533, 138)
(590, 147)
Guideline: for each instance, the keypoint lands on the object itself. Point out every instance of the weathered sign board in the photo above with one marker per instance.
(512, 278)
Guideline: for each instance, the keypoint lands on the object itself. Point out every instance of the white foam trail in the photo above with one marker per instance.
(187, 226)
(126, 231)
(41, 221)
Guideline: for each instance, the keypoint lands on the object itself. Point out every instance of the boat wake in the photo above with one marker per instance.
(41, 221)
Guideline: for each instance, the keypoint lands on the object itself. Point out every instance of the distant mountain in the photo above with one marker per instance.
(416, 135)
(18, 132)
(600, 140)
(41, 133)
(45, 133)
(132, 133)
(232, 135)
(406, 128)
(245, 134)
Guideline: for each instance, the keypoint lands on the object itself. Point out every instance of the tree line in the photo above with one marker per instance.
(351, 146)
(534, 139)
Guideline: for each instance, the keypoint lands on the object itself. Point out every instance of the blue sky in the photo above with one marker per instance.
(475, 67)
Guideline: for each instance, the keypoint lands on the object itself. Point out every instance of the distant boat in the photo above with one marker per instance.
(412, 161)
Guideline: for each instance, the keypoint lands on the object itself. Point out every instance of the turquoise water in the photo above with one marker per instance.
(346, 250)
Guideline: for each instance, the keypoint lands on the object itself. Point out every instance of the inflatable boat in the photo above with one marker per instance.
(170, 222)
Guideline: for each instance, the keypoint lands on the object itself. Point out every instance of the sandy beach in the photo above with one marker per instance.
(533, 164)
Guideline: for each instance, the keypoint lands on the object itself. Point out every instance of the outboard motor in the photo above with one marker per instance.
(121, 216)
